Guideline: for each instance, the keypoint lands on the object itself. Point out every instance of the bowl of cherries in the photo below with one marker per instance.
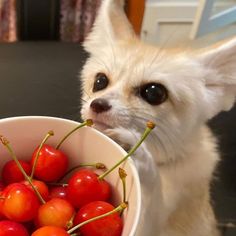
(61, 178)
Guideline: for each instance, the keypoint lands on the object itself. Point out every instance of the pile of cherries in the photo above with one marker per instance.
(33, 201)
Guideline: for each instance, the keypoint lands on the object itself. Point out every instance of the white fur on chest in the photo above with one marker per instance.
(185, 189)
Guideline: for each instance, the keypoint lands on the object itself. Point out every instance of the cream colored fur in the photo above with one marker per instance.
(177, 162)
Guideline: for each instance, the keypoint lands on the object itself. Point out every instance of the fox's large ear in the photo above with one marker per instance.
(111, 25)
(220, 77)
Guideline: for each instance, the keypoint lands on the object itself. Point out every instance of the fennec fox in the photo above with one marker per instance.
(127, 82)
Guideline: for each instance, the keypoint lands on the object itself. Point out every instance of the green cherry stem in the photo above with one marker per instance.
(123, 174)
(120, 208)
(48, 135)
(98, 165)
(149, 127)
(57, 184)
(6, 143)
(88, 122)
(70, 222)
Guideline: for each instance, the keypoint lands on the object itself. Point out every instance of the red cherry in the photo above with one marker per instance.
(30, 226)
(2, 186)
(51, 165)
(58, 192)
(20, 203)
(84, 187)
(40, 186)
(11, 228)
(50, 231)
(1, 203)
(56, 212)
(12, 174)
(108, 226)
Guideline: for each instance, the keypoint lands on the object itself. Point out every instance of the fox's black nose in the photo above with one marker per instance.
(100, 105)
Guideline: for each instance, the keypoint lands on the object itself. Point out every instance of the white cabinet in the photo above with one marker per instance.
(175, 22)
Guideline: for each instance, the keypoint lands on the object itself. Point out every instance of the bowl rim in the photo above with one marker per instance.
(130, 161)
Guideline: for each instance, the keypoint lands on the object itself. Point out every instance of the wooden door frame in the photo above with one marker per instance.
(135, 12)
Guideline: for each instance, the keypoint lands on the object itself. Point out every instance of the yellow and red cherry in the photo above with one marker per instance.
(19, 203)
(50, 231)
(55, 212)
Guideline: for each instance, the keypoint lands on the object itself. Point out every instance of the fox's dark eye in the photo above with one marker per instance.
(101, 82)
(153, 93)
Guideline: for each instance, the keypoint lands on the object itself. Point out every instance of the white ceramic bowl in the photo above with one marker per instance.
(85, 145)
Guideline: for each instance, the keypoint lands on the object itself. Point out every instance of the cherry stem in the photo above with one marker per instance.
(58, 184)
(88, 122)
(97, 165)
(120, 208)
(70, 222)
(149, 127)
(123, 174)
(6, 143)
(49, 134)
